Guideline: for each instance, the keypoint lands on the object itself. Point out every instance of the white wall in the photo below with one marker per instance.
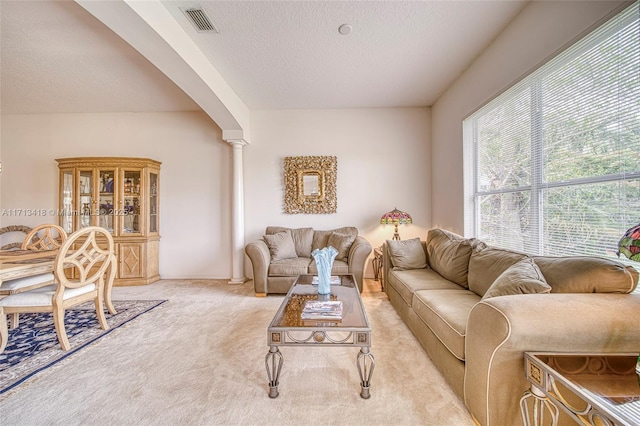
(541, 29)
(383, 162)
(195, 176)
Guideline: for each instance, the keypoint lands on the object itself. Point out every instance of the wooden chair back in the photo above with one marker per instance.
(90, 251)
(13, 236)
(44, 237)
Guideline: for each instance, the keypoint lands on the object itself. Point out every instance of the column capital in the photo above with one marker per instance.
(236, 142)
(235, 136)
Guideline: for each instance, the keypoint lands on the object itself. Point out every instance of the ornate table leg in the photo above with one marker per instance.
(540, 402)
(366, 364)
(4, 332)
(273, 361)
(376, 267)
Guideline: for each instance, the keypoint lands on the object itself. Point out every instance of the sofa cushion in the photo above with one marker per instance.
(448, 254)
(321, 238)
(487, 263)
(289, 267)
(446, 312)
(338, 267)
(409, 281)
(342, 243)
(587, 274)
(280, 245)
(302, 238)
(523, 277)
(407, 254)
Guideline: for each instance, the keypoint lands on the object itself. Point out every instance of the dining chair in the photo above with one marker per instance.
(90, 251)
(43, 237)
(51, 237)
(13, 236)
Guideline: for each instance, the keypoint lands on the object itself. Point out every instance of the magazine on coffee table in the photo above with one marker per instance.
(322, 309)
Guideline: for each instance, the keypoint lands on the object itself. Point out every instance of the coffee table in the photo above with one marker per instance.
(593, 389)
(288, 328)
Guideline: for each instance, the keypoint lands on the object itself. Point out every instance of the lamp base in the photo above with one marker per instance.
(396, 235)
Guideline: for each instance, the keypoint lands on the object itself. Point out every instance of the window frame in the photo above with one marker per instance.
(533, 82)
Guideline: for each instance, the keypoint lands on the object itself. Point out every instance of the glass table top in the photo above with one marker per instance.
(608, 381)
(353, 313)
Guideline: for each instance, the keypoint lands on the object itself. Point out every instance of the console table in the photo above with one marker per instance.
(593, 389)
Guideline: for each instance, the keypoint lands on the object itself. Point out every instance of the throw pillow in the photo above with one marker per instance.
(487, 263)
(302, 238)
(523, 277)
(448, 254)
(280, 245)
(407, 254)
(342, 243)
(321, 238)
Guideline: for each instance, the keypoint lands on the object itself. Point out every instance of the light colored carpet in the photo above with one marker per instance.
(198, 359)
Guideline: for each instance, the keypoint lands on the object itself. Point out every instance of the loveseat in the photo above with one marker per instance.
(476, 309)
(284, 253)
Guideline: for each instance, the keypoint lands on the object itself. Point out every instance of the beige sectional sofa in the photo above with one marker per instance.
(284, 253)
(476, 309)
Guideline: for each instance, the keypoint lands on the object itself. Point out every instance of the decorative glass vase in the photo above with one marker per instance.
(324, 261)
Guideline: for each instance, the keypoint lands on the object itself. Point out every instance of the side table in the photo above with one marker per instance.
(377, 266)
(592, 389)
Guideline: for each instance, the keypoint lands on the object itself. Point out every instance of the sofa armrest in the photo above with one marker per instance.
(501, 329)
(357, 258)
(260, 257)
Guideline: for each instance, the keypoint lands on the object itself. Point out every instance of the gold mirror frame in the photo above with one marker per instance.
(310, 184)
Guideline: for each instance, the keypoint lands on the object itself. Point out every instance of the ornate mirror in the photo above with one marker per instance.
(310, 184)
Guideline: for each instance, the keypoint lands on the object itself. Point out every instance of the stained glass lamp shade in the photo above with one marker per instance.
(629, 244)
(395, 217)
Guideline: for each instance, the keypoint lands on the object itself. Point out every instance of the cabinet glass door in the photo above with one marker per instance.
(85, 187)
(153, 202)
(106, 201)
(66, 207)
(130, 218)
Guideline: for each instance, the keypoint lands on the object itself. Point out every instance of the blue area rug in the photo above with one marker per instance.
(34, 346)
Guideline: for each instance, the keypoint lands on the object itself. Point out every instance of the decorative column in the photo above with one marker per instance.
(237, 213)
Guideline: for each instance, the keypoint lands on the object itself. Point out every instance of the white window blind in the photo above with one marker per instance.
(552, 165)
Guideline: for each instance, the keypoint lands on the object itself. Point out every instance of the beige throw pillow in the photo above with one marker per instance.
(523, 277)
(407, 254)
(342, 243)
(321, 238)
(448, 254)
(280, 245)
(487, 263)
(302, 238)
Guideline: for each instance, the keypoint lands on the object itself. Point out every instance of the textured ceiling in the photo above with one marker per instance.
(56, 57)
(284, 54)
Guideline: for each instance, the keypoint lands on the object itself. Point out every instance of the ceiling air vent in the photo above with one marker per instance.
(200, 20)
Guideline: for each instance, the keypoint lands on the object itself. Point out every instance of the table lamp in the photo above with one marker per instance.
(395, 217)
(629, 244)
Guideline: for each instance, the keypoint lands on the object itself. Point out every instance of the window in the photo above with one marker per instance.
(552, 165)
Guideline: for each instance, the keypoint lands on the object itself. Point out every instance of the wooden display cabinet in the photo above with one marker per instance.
(122, 195)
